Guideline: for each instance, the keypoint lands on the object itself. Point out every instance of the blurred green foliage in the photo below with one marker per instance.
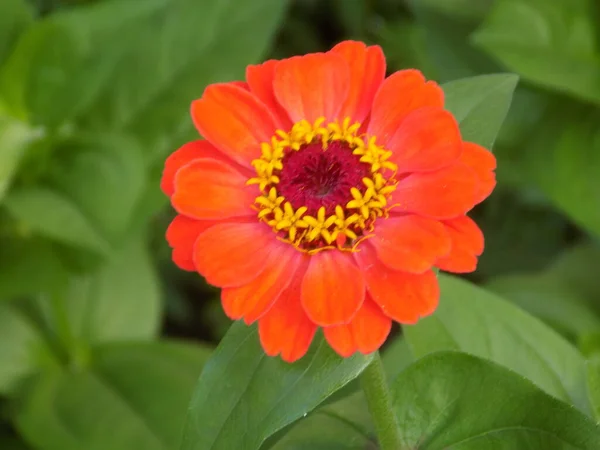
(99, 333)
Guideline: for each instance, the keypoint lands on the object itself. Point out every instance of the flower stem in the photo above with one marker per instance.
(374, 385)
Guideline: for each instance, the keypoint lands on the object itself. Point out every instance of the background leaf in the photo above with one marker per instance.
(15, 16)
(119, 302)
(480, 104)
(549, 43)
(49, 213)
(456, 401)
(22, 348)
(60, 64)
(14, 138)
(30, 266)
(593, 384)
(105, 176)
(184, 46)
(135, 396)
(473, 320)
(262, 394)
(563, 157)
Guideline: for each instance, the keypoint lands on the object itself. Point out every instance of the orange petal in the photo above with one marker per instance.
(443, 194)
(312, 86)
(241, 84)
(404, 297)
(286, 329)
(367, 331)
(208, 189)
(467, 245)
(428, 139)
(410, 243)
(234, 120)
(333, 288)
(483, 162)
(260, 79)
(233, 254)
(399, 95)
(181, 235)
(185, 154)
(252, 300)
(367, 71)
(341, 339)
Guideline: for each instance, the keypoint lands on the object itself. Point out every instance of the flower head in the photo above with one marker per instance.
(324, 196)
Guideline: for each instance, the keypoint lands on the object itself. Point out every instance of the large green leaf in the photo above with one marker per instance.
(455, 401)
(15, 15)
(480, 105)
(49, 213)
(134, 397)
(183, 47)
(121, 301)
(552, 43)
(342, 425)
(22, 348)
(476, 321)
(61, 62)
(547, 296)
(593, 384)
(243, 396)
(104, 175)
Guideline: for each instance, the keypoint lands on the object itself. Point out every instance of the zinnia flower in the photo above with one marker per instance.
(324, 195)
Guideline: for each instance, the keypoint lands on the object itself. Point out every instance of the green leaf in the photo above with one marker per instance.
(396, 357)
(261, 395)
(30, 266)
(467, 10)
(105, 176)
(446, 30)
(343, 425)
(134, 398)
(576, 268)
(476, 321)
(480, 105)
(457, 401)
(11, 443)
(174, 55)
(593, 384)
(49, 213)
(121, 301)
(549, 298)
(62, 61)
(563, 159)
(14, 138)
(552, 43)
(15, 15)
(22, 348)
(522, 232)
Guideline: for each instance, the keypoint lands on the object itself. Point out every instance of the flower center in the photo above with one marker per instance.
(315, 178)
(323, 187)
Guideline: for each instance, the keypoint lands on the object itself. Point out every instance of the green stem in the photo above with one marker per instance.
(374, 385)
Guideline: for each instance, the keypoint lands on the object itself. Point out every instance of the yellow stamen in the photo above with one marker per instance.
(352, 221)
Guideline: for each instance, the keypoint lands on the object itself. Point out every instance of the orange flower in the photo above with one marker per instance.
(324, 196)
